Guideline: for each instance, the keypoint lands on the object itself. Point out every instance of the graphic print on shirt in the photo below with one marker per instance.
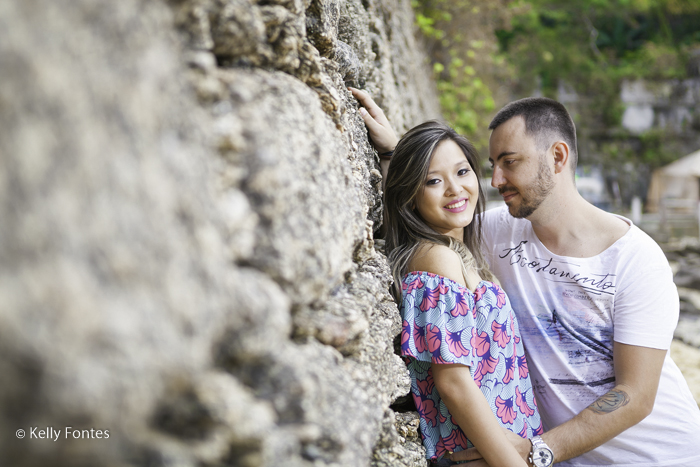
(560, 271)
(572, 315)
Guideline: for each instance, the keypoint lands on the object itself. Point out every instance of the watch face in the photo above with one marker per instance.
(542, 457)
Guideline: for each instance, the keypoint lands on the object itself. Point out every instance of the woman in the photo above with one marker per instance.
(460, 337)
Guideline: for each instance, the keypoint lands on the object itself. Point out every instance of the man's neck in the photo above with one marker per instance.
(568, 225)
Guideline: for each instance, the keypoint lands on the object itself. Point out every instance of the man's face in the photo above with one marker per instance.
(520, 170)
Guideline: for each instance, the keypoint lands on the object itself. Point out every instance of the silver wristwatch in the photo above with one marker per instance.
(540, 455)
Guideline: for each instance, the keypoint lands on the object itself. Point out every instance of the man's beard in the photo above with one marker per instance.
(531, 197)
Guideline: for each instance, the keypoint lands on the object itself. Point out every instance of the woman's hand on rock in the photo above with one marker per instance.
(381, 133)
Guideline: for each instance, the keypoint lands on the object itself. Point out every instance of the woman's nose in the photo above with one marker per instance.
(452, 187)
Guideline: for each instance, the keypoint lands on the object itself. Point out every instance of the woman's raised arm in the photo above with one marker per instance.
(380, 131)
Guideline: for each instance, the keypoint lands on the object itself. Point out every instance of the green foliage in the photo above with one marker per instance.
(593, 45)
(426, 25)
(487, 52)
(459, 102)
(462, 48)
(654, 150)
(590, 42)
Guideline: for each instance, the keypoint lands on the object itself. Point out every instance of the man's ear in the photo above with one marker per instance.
(561, 156)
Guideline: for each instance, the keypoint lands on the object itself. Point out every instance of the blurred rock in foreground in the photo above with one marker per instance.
(188, 199)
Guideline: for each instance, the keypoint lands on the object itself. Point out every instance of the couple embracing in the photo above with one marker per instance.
(536, 333)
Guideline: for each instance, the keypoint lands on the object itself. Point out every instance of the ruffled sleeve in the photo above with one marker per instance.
(439, 321)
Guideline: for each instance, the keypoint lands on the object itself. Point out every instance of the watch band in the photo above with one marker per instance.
(541, 455)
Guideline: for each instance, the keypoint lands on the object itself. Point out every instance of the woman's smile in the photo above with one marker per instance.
(448, 199)
(458, 206)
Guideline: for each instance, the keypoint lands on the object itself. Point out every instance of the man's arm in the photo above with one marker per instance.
(637, 375)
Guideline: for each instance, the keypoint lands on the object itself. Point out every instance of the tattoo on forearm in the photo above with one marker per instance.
(610, 402)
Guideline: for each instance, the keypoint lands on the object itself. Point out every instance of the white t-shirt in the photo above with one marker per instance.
(571, 309)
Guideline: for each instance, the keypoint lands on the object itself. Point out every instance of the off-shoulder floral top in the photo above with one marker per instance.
(444, 322)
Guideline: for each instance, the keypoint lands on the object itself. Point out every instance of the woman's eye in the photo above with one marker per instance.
(433, 181)
(463, 172)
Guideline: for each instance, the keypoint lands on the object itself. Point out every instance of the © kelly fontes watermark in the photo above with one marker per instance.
(56, 434)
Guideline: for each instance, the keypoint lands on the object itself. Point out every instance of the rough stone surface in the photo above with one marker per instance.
(403, 447)
(188, 200)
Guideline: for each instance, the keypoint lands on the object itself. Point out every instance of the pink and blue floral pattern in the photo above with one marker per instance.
(443, 322)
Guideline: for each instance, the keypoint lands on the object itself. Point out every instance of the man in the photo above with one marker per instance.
(595, 301)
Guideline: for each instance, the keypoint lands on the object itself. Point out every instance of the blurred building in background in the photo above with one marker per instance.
(673, 200)
(676, 186)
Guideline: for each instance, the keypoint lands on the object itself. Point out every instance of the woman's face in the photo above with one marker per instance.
(450, 192)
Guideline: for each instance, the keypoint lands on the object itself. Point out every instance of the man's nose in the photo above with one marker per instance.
(497, 178)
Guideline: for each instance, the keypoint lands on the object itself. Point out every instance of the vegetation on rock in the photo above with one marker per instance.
(485, 53)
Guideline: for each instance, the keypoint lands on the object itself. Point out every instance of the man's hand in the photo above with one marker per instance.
(381, 133)
(471, 454)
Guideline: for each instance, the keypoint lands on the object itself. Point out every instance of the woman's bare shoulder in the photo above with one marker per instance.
(438, 259)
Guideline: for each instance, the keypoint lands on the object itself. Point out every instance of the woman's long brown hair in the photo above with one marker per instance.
(406, 177)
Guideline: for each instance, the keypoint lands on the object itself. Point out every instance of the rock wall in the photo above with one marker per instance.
(187, 206)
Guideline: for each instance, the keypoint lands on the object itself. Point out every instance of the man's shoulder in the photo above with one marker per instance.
(640, 249)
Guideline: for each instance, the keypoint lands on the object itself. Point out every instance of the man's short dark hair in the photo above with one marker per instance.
(546, 120)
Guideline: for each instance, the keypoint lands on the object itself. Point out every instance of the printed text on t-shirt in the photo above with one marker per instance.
(594, 283)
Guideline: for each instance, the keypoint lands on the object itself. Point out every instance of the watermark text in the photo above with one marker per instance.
(55, 434)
